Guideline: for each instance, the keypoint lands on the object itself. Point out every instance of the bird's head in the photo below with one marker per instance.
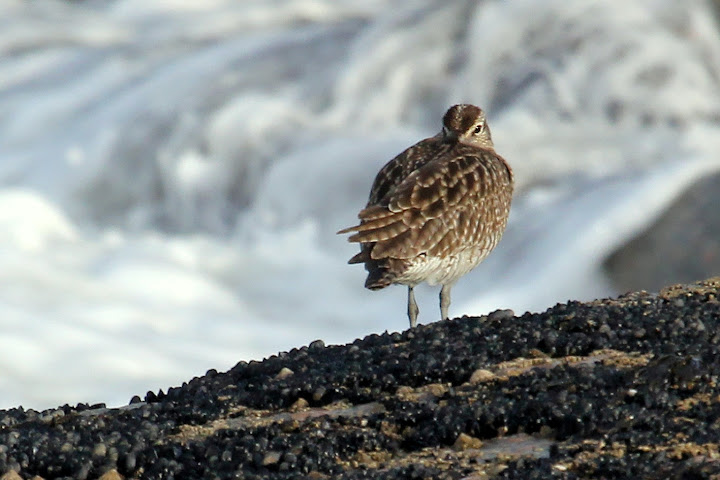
(466, 123)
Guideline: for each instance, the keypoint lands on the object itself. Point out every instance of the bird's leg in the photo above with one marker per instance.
(444, 301)
(413, 309)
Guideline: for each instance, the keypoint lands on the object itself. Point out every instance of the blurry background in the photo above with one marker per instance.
(172, 173)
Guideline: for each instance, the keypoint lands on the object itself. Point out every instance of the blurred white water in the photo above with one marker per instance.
(172, 173)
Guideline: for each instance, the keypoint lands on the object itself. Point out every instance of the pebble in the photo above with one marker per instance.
(270, 458)
(501, 315)
(299, 404)
(465, 441)
(283, 373)
(111, 475)
(481, 375)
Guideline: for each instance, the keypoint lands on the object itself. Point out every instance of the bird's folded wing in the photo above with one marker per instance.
(423, 214)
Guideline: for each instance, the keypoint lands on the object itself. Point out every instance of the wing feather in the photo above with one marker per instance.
(429, 210)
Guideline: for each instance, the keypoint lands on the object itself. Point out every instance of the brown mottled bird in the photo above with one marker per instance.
(436, 210)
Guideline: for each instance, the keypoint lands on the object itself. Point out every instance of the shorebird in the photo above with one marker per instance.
(436, 210)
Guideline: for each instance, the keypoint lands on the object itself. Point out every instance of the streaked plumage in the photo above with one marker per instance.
(436, 210)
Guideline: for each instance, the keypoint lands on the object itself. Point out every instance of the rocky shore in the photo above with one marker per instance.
(615, 388)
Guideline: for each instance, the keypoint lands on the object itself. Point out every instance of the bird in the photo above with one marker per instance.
(436, 210)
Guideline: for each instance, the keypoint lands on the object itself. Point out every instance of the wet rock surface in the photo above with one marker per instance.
(618, 388)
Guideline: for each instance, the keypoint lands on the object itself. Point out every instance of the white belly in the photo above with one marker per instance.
(441, 270)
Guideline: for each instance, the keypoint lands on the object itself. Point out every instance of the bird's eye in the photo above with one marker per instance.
(479, 128)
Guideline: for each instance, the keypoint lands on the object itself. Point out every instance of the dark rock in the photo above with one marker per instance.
(626, 387)
(683, 245)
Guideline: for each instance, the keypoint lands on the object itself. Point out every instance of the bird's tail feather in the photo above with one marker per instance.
(378, 277)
